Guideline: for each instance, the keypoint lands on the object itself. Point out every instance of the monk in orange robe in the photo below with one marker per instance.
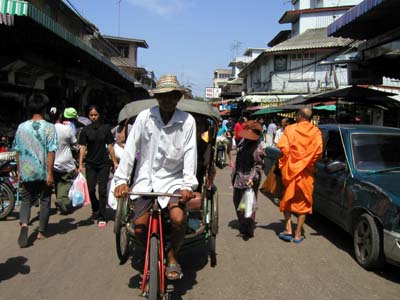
(301, 146)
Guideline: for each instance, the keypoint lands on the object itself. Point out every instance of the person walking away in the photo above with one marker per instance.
(4, 147)
(230, 125)
(239, 126)
(96, 148)
(165, 138)
(35, 144)
(301, 146)
(247, 173)
(271, 129)
(65, 170)
(279, 132)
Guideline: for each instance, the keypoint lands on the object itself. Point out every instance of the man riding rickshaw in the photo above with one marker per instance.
(162, 153)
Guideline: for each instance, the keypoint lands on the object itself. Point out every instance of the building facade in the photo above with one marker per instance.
(52, 49)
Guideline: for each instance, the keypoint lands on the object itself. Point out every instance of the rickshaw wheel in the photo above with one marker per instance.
(122, 238)
(212, 239)
(122, 241)
(214, 213)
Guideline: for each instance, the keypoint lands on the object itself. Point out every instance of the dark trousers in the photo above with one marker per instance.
(30, 192)
(98, 174)
(62, 183)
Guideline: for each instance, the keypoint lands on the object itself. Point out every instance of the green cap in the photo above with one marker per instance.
(70, 113)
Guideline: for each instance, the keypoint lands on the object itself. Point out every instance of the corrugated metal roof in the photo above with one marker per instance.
(310, 39)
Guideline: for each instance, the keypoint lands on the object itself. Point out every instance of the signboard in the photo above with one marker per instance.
(212, 92)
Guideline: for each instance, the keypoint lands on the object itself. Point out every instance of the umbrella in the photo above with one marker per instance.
(84, 120)
(266, 111)
(325, 107)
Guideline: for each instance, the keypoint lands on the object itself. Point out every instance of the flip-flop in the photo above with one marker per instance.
(299, 240)
(102, 224)
(172, 269)
(287, 237)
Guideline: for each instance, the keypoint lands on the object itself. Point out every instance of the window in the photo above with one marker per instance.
(334, 148)
(303, 56)
(124, 50)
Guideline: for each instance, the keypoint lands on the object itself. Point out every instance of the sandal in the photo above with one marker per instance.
(102, 224)
(173, 271)
(287, 237)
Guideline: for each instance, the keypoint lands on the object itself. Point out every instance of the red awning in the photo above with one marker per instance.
(7, 19)
(224, 112)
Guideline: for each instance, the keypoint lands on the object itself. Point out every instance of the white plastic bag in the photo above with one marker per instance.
(247, 203)
(112, 201)
(79, 193)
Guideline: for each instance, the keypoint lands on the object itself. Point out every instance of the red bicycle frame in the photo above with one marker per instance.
(155, 227)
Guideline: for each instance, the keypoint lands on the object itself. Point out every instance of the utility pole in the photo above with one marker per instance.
(119, 16)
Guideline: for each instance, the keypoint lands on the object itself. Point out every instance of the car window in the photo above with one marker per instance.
(334, 147)
(376, 151)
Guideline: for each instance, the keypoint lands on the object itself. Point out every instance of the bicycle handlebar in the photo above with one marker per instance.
(155, 194)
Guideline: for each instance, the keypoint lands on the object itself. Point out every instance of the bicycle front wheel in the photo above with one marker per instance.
(154, 285)
(7, 200)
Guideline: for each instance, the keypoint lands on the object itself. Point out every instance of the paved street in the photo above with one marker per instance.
(78, 261)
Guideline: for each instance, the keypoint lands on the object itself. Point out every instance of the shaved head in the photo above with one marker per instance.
(305, 114)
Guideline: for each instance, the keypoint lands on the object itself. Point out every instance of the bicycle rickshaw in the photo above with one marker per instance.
(202, 212)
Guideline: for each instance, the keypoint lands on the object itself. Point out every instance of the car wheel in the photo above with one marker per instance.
(368, 243)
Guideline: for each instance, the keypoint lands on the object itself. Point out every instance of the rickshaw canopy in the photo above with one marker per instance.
(191, 106)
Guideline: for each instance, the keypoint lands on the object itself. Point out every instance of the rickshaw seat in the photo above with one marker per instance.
(195, 204)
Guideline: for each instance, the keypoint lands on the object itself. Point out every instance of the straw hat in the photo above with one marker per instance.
(251, 131)
(168, 83)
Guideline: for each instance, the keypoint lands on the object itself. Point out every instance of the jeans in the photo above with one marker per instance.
(98, 174)
(30, 192)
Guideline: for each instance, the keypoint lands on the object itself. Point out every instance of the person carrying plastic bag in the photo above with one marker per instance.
(247, 175)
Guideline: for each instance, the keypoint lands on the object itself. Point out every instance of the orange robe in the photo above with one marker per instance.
(301, 146)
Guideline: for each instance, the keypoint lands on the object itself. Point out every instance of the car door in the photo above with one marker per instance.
(329, 187)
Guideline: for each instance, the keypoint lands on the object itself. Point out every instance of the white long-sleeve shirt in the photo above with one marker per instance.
(167, 154)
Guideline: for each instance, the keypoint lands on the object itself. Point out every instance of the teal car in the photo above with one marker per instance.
(357, 186)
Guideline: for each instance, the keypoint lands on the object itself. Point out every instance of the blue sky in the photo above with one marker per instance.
(189, 38)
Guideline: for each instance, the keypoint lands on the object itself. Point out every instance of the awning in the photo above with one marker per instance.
(367, 19)
(352, 92)
(268, 99)
(355, 94)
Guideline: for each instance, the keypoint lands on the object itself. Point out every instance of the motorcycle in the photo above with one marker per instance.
(9, 196)
(221, 154)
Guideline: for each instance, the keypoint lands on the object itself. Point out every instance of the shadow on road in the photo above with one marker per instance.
(14, 266)
(342, 240)
(276, 227)
(192, 260)
(62, 227)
